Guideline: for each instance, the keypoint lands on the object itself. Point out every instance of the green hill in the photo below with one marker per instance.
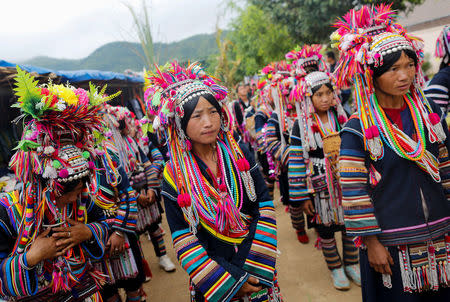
(118, 56)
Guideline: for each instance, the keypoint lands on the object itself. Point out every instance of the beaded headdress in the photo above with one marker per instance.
(443, 44)
(306, 56)
(302, 93)
(171, 87)
(59, 138)
(364, 37)
(168, 90)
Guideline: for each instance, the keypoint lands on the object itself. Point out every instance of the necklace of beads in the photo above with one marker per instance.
(219, 208)
(392, 135)
(324, 131)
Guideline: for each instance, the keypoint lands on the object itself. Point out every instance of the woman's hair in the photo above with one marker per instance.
(190, 105)
(315, 88)
(122, 124)
(311, 68)
(391, 59)
(71, 185)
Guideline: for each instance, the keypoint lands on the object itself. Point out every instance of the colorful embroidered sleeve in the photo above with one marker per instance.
(261, 259)
(438, 88)
(215, 278)
(444, 159)
(298, 189)
(273, 142)
(359, 213)
(154, 171)
(16, 279)
(260, 123)
(126, 214)
(99, 228)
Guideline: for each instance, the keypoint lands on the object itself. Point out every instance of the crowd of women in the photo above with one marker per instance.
(93, 176)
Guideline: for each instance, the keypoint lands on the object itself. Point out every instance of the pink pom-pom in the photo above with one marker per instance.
(368, 133)
(63, 173)
(377, 56)
(243, 165)
(315, 128)
(180, 200)
(164, 85)
(223, 187)
(434, 118)
(79, 145)
(289, 106)
(91, 165)
(341, 119)
(188, 145)
(217, 96)
(173, 92)
(187, 200)
(375, 132)
(192, 76)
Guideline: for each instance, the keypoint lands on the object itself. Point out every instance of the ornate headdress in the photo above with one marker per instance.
(58, 137)
(306, 56)
(443, 44)
(364, 37)
(62, 126)
(169, 89)
(310, 125)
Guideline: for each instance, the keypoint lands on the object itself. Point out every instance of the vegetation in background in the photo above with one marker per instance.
(310, 21)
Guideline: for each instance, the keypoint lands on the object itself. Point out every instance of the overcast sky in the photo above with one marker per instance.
(74, 28)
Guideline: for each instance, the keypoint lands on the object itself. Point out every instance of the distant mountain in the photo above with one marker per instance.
(118, 56)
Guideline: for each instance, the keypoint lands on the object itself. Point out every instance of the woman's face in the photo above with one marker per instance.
(323, 99)
(70, 197)
(204, 124)
(397, 79)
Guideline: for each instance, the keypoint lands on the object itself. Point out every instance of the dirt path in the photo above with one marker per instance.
(302, 272)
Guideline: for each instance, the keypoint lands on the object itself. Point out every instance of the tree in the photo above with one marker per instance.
(144, 33)
(257, 41)
(222, 65)
(310, 20)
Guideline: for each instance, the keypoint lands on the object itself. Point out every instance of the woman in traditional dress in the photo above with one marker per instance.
(438, 88)
(313, 183)
(51, 230)
(220, 214)
(394, 162)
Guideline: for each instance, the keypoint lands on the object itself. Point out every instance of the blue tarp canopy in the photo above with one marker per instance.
(75, 76)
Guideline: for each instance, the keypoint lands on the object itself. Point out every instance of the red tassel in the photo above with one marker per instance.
(434, 118)
(223, 187)
(243, 165)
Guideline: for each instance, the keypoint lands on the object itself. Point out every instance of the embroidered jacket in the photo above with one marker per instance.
(218, 267)
(439, 88)
(16, 279)
(273, 140)
(392, 197)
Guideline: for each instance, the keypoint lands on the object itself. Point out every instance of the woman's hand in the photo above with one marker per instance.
(115, 244)
(249, 287)
(308, 207)
(143, 199)
(70, 237)
(44, 248)
(379, 257)
(151, 196)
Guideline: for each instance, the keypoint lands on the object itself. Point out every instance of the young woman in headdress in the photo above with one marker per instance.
(51, 230)
(438, 88)
(264, 109)
(144, 175)
(312, 172)
(123, 264)
(304, 60)
(394, 162)
(220, 214)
